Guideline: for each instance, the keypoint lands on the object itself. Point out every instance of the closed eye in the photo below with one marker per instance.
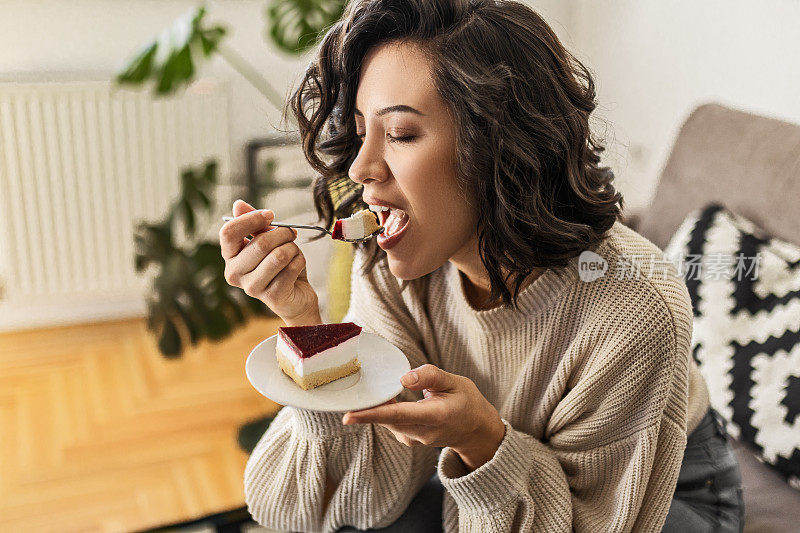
(404, 139)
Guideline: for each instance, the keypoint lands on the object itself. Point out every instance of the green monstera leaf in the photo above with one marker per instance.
(295, 25)
(189, 299)
(171, 61)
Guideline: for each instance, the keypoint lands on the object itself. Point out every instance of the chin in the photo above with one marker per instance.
(408, 271)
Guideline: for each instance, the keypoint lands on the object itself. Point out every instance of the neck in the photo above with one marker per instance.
(476, 279)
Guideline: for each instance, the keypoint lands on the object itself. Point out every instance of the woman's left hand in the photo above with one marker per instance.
(452, 413)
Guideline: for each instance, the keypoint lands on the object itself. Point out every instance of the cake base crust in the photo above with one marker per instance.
(321, 377)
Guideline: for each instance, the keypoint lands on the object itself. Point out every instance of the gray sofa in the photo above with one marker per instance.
(750, 164)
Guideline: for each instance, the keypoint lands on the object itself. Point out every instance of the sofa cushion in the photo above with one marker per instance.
(745, 161)
(770, 505)
(745, 290)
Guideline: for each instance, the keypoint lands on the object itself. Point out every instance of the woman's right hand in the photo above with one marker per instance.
(271, 267)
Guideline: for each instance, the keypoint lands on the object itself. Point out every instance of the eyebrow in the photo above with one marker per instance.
(394, 109)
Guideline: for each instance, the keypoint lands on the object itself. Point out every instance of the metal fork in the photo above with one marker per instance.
(319, 228)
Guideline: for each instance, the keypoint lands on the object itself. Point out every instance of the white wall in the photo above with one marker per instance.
(94, 38)
(56, 39)
(655, 61)
(557, 13)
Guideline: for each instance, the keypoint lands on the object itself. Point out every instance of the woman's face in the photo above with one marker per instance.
(407, 160)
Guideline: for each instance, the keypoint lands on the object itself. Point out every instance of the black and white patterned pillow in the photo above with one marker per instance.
(745, 289)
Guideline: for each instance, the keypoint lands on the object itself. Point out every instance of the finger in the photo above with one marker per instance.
(413, 434)
(397, 414)
(282, 284)
(398, 434)
(241, 207)
(257, 281)
(388, 402)
(260, 247)
(404, 436)
(232, 234)
(407, 439)
(410, 430)
(430, 377)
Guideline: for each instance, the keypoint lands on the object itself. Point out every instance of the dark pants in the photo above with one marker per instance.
(708, 496)
(709, 492)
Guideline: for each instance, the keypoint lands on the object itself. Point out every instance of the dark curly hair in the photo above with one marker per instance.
(521, 104)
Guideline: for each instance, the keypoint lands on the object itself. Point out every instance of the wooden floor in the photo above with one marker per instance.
(99, 432)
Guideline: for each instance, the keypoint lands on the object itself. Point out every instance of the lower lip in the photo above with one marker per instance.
(389, 242)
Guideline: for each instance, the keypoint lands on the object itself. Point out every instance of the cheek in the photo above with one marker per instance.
(443, 217)
(445, 220)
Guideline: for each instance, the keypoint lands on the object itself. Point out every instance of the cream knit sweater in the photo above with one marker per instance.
(594, 381)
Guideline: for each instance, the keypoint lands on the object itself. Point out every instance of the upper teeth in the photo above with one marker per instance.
(378, 208)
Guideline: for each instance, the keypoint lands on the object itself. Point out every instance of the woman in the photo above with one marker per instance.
(551, 390)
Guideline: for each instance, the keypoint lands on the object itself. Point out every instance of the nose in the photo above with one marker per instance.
(369, 164)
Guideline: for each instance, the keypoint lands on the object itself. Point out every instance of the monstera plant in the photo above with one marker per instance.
(189, 299)
(171, 61)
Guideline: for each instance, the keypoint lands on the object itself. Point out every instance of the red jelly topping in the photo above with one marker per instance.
(337, 230)
(308, 340)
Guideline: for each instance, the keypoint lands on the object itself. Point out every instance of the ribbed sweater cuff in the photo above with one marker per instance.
(320, 424)
(493, 484)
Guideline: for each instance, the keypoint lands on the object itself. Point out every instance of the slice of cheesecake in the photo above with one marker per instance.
(315, 355)
(357, 226)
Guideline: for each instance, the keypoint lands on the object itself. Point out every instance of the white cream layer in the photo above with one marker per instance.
(359, 225)
(332, 357)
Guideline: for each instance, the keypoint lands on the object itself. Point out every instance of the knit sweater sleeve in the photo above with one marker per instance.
(612, 449)
(376, 475)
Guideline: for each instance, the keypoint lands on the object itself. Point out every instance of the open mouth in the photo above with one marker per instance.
(393, 220)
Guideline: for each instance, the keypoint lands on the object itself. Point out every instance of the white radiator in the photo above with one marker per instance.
(80, 164)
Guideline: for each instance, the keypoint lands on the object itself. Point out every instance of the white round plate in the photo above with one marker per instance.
(376, 382)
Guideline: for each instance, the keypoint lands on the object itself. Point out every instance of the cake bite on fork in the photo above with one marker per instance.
(359, 227)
